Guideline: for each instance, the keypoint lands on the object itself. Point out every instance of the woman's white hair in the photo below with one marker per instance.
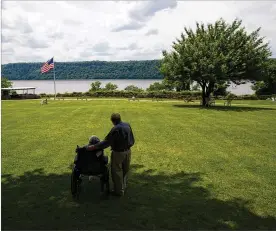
(94, 140)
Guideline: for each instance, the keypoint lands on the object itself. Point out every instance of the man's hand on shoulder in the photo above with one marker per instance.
(91, 147)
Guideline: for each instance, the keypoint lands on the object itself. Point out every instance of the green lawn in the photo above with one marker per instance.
(192, 168)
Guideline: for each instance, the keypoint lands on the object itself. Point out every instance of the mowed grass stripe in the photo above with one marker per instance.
(191, 168)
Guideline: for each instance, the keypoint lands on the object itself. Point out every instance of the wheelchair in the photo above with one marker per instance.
(87, 163)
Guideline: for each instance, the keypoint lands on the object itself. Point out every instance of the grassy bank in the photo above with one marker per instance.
(192, 168)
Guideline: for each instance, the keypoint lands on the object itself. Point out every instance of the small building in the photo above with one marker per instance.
(19, 93)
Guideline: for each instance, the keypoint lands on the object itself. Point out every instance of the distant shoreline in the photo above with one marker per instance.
(76, 79)
(80, 85)
(86, 71)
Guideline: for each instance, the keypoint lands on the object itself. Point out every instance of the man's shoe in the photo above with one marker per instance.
(113, 193)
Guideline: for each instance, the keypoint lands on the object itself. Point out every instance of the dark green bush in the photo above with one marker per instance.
(195, 95)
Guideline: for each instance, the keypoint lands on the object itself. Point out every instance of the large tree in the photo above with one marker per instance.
(214, 54)
(174, 76)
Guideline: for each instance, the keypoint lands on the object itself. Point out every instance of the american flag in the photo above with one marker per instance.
(47, 66)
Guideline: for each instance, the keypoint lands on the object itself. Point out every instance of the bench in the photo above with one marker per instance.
(188, 100)
(44, 101)
(228, 102)
(133, 99)
(212, 102)
(82, 98)
(209, 102)
(59, 98)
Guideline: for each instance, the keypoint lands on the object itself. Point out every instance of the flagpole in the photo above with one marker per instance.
(55, 81)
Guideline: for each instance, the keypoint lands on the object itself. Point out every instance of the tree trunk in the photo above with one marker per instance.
(206, 92)
(205, 96)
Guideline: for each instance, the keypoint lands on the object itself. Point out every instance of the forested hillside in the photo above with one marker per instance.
(85, 70)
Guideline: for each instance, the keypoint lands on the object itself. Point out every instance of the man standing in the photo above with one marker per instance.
(121, 139)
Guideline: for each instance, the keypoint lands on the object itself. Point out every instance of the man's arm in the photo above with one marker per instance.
(131, 136)
(103, 144)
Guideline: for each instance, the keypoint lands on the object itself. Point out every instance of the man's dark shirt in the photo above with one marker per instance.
(120, 138)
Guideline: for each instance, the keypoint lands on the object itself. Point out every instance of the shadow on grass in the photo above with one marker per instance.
(42, 201)
(225, 108)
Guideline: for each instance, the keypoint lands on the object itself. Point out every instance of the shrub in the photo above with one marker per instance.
(133, 88)
(195, 95)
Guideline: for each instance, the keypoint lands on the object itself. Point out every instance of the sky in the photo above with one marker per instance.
(35, 31)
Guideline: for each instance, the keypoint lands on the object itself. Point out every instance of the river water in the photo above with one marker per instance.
(62, 86)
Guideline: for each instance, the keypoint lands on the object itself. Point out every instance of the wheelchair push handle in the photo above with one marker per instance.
(79, 148)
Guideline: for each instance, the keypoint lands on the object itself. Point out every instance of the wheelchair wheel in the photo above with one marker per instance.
(75, 185)
(107, 185)
(105, 190)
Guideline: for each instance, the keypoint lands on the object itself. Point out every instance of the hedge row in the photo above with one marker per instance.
(196, 95)
(129, 94)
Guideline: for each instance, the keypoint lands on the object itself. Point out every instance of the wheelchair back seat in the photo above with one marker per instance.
(88, 163)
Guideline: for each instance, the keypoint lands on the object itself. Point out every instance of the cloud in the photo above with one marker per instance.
(28, 6)
(148, 9)
(34, 58)
(152, 32)
(84, 30)
(130, 47)
(72, 22)
(103, 54)
(143, 12)
(19, 24)
(56, 35)
(86, 53)
(6, 25)
(5, 39)
(90, 53)
(101, 47)
(129, 26)
(7, 51)
(26, 28)
(34, 43)
(133, 46)
(4, 5)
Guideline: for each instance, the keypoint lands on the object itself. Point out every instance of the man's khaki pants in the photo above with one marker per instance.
(120, 162)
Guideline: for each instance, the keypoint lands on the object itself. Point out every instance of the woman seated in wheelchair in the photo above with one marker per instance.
(90, 163)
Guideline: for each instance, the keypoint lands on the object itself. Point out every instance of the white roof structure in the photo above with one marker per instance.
(18, 88)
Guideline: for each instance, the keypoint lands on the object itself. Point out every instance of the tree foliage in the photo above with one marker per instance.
(216, 54)
(133, 88)
(196, 87)
(110, 87)
(230, 96)
(220, 89)
(5, 83)
(156, 87)
(268, 85)
(95, 86)
(164, 85)
(148, 69)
